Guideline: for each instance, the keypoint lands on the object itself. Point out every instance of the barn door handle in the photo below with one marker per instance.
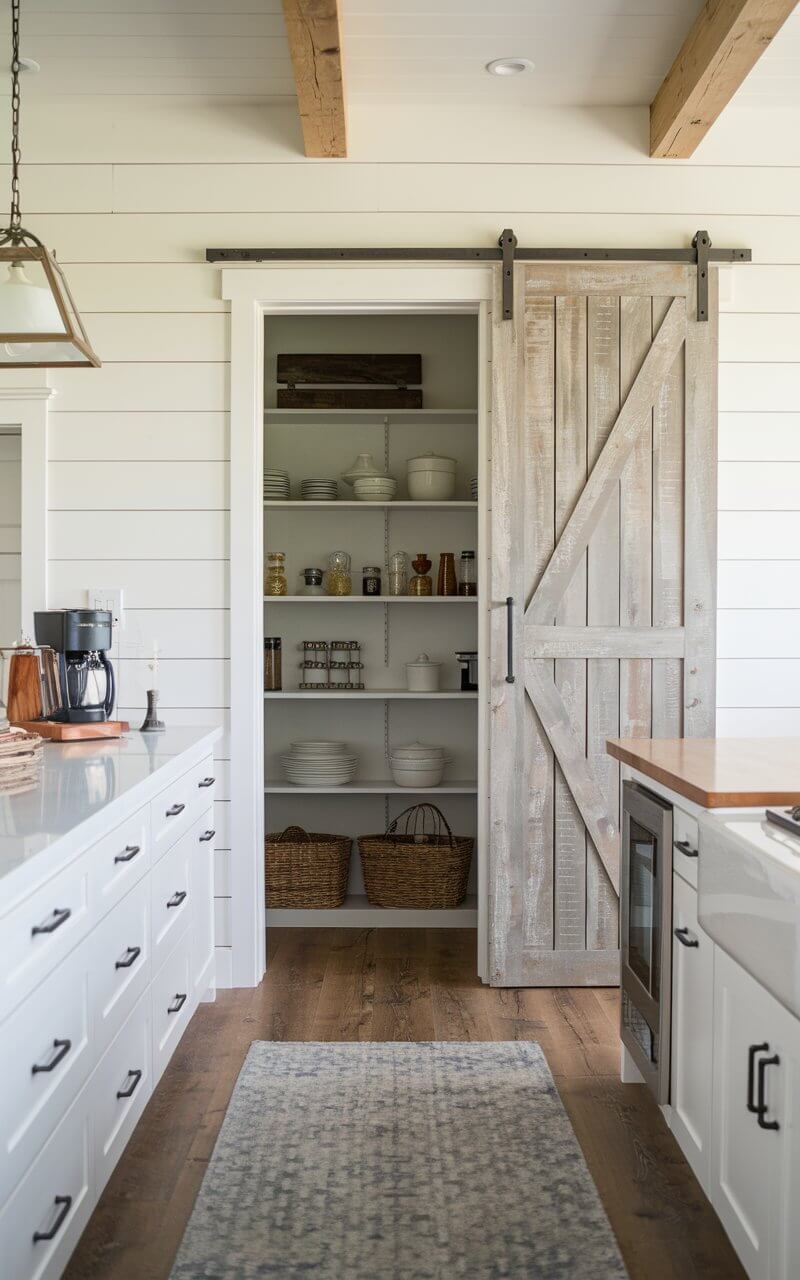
(510, 677)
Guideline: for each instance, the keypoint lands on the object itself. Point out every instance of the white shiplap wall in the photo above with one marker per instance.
(131, 192)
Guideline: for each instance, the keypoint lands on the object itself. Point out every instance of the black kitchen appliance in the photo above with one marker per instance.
(468, 660)
(81, 639)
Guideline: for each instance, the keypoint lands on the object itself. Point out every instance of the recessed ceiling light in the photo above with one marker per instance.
(509, 66)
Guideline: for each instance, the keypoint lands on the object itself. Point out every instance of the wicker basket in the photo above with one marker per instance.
(418, 862)
(306, 868)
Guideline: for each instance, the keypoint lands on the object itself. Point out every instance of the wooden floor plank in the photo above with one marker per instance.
(338, 984)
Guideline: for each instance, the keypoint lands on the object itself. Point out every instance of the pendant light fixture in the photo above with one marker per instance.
(39, 324)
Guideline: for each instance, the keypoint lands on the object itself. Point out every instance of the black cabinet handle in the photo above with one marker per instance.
(761, 1106)
(751, 1072)
(206, 836)
(177, 898)
(686, 849)
(134, 1077)
(510, 677)
(56, 920)
(131, 956)
(174, 810)
(63, 1047)
(63, 1204)
(207, 782)
(178, 1003)
(684, 936)
(131, 851)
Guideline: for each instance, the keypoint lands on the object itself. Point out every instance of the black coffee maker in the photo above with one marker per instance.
(81, 639)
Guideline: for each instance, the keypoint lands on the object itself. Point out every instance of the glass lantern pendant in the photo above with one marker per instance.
(39, 324)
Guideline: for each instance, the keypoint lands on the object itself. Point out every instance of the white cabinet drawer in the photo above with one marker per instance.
(47, 1056)
(120, 964)
(173, 1004)
(119, 860)
(41, 931)
(685, 846)
(692, 1031)
(41, 1224)
(170, 897)
(178, 807)
(120, 1088)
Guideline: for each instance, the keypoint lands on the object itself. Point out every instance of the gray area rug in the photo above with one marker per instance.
(397, 1162)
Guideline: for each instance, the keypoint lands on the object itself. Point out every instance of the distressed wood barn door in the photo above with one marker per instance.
(604, 535)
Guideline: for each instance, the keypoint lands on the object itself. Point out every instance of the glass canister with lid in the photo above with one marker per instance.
(338, 578)
(468, 574)
(275, 583)
(371, 580)
(398, 574)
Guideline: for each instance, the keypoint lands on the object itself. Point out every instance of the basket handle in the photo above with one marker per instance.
(416, 822)
(295, 834)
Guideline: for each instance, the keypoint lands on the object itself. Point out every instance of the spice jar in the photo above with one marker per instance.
(421, 584)
(398, 574)
(272, 663)
(338, 579)
(447, 584)
(312, 583)
(468, 579)
(275, 583)
(371, 580)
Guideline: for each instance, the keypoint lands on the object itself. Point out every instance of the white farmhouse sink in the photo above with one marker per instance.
(748, 897)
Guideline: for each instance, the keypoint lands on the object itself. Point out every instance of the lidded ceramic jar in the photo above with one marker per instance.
(422, 675)
(431, 478)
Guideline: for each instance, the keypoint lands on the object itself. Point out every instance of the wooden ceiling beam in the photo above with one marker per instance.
(313, 30)
(725, 43)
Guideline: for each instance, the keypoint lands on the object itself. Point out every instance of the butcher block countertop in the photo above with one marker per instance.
(718, 773)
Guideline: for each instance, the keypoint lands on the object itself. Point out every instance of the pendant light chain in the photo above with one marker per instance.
(16, 155)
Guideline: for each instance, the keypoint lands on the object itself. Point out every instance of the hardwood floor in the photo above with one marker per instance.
(385, 984)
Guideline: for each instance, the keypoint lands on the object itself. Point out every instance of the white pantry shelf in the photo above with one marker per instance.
(369, 417)
(289, 504)
(365, 694)
(358, 914)
(383, 787)
(429, 600)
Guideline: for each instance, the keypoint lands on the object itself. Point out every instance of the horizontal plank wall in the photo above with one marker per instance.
(130, 192)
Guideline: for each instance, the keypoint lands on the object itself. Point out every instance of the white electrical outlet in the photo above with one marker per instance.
(110, 598)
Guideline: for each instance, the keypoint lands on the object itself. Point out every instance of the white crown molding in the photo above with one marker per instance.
(27, 393)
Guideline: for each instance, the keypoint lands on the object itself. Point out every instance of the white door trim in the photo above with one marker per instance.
(26, 408)
(255, 293)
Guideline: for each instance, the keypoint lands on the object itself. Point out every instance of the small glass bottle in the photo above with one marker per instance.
(371, 580)
(275, 583)
(468, 574)
(272, 663)
(398, 574)
(338, 579)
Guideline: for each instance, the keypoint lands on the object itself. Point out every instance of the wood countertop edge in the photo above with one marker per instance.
(706, 799)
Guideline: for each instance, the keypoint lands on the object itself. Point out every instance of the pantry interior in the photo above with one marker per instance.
(390, 630)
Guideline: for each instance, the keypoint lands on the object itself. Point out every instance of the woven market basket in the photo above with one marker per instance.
(306, 869)
(418, 862)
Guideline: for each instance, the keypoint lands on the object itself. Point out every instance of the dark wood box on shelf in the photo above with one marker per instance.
(318, 381)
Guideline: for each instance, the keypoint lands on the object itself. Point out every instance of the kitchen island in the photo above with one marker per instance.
(106, 948)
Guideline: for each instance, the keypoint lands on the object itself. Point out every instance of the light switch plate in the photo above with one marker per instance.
(109, 598)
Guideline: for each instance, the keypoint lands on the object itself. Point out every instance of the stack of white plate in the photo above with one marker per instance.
(375, 489)
(276, 485)
(473, 488)
(319, 763)
(418, 765)
(318, 489)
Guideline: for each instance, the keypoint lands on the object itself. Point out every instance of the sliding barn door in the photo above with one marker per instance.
(603, 534)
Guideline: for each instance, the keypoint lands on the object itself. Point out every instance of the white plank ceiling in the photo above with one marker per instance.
(587, 52)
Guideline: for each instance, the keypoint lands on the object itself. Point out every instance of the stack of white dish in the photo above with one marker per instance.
(473, 488)
(431, 478)
(319, 489)
(319, 763)
(375, 489)
(418, 765)
(276, 485)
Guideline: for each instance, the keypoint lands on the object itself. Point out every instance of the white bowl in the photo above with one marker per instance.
(418, 751)
(431, 486)
(431, 462)
(418, 779)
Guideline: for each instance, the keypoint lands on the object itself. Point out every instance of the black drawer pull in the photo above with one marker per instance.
(63, 1047)
(206, 836)
(131, 851)
(207, 782)
(134, 1077)
(761, 1106)
(178, 1003)
(683, 935)
(751, 1071)
(131, 956)
(177, 898)
(174, 810)
(686, 849)
(63, 1204)
(56, 920)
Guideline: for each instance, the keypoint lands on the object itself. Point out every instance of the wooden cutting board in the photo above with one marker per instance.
(55, 731)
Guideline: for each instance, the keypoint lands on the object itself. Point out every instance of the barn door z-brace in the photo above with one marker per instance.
(507, 252)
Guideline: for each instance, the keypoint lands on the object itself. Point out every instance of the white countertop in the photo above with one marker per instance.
(86, 789)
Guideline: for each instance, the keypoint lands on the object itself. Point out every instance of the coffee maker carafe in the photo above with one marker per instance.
(81, 639)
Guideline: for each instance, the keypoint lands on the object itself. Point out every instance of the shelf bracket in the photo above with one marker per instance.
(508, 243)
(701, 245)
